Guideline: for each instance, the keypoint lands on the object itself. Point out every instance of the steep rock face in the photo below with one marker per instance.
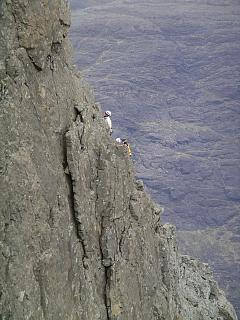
(80, 239)
(168, 71)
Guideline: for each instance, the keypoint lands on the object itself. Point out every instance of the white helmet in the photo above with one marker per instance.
(108, 113)
(119, 140)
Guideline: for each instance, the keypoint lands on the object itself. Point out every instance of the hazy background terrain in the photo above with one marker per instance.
(169, 72)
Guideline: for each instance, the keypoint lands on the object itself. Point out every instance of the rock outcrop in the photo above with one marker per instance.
(80, 239)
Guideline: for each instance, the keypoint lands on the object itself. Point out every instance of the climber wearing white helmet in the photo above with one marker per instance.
(124, 142)
(107, 117)
(119, 140)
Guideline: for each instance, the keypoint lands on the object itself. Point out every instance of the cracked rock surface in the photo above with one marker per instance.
(79, 237)
(169, 72)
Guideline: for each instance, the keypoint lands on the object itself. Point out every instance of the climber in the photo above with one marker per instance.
(119, 140)
(107, 117)
(125, 143)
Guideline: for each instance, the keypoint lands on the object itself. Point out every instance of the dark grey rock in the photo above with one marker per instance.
(70, 246)
(139, 185)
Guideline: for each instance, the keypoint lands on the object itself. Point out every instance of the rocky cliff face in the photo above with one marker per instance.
(168, 71)
(80, 239)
